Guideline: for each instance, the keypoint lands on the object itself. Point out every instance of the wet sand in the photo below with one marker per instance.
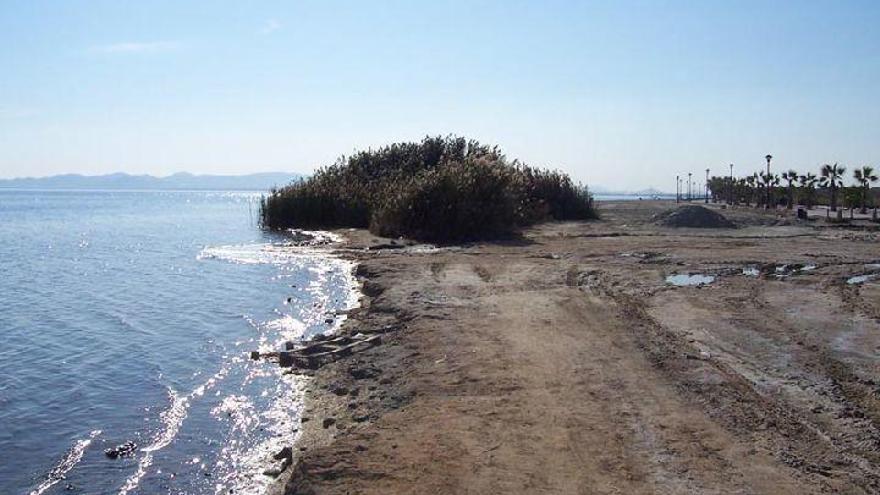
(564, 362)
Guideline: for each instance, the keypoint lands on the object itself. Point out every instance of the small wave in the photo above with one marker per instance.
(253, 254)
(242, 466)
(304, 243)
(71, 459)
(172, 419)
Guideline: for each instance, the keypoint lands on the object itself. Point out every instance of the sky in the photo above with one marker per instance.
(620, 94)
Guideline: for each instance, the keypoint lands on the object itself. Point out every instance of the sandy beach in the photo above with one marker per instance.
(564, 362)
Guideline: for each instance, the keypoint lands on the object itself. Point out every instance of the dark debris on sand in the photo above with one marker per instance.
(693, 216)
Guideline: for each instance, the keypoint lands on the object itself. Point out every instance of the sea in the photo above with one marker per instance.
(128, 317)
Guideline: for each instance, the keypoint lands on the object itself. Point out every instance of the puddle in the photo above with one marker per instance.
(865, 277)
(778, 271)
(686, 280)
(751, 271)
(860, 279)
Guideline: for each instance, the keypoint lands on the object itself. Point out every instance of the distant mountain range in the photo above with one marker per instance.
(179, 181)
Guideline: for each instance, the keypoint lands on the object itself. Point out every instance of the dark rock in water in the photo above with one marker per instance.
(274, 471)
(284, 454)
(693, 216)
(121, 450)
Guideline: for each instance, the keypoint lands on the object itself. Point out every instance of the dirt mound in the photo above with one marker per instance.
(694, 216)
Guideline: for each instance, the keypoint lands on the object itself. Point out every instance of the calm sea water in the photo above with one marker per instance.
(128, 316)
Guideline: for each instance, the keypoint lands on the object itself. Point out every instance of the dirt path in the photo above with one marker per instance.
(564, 364)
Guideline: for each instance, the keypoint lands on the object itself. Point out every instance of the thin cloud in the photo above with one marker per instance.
(270, 26)
(136, 47)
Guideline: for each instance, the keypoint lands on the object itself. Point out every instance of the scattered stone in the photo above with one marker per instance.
(284, 454)
(339, 390)
(273, 471)
(364, 373)
(372, 289)
(328, 422)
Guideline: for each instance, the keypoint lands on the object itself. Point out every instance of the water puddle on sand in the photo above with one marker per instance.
(689, 280)
(779, 271)
(860, 279)
(865, 277)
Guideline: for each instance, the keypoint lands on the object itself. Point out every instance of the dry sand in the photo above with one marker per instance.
(564, 363)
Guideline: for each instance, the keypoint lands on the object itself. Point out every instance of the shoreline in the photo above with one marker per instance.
(562, 362)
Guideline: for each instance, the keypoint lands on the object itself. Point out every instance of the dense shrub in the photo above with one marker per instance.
(442, 189)
(460, 201)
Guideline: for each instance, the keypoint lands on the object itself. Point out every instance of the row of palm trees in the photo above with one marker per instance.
(761, 186)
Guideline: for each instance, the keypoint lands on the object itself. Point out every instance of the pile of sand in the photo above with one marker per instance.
(693, 216)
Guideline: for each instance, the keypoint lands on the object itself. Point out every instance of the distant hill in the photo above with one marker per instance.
(179, 181)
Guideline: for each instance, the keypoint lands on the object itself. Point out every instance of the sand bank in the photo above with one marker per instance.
(564, 362)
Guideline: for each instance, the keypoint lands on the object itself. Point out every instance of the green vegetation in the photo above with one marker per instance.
(441, 189)
(864, 176)
(831, 177)
(808, 189)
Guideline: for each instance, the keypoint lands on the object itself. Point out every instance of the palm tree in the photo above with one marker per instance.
(832, 178)
(751, 181)
(768, 181)
(791, 176)
(808, 184)
(865, 176)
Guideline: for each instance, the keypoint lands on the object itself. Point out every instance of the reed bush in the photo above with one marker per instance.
(441, 189)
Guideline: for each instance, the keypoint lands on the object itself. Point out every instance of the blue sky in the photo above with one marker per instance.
(619, 94)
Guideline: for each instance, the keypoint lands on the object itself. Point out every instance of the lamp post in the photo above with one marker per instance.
(677, 189)
(707, 187)
(769, 183)
(689, 187)
(730, 198)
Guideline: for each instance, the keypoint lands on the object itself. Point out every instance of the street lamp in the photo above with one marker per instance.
(730, 199)
(689, 186)
(677, 189)
(707, 186)
(769, 183)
